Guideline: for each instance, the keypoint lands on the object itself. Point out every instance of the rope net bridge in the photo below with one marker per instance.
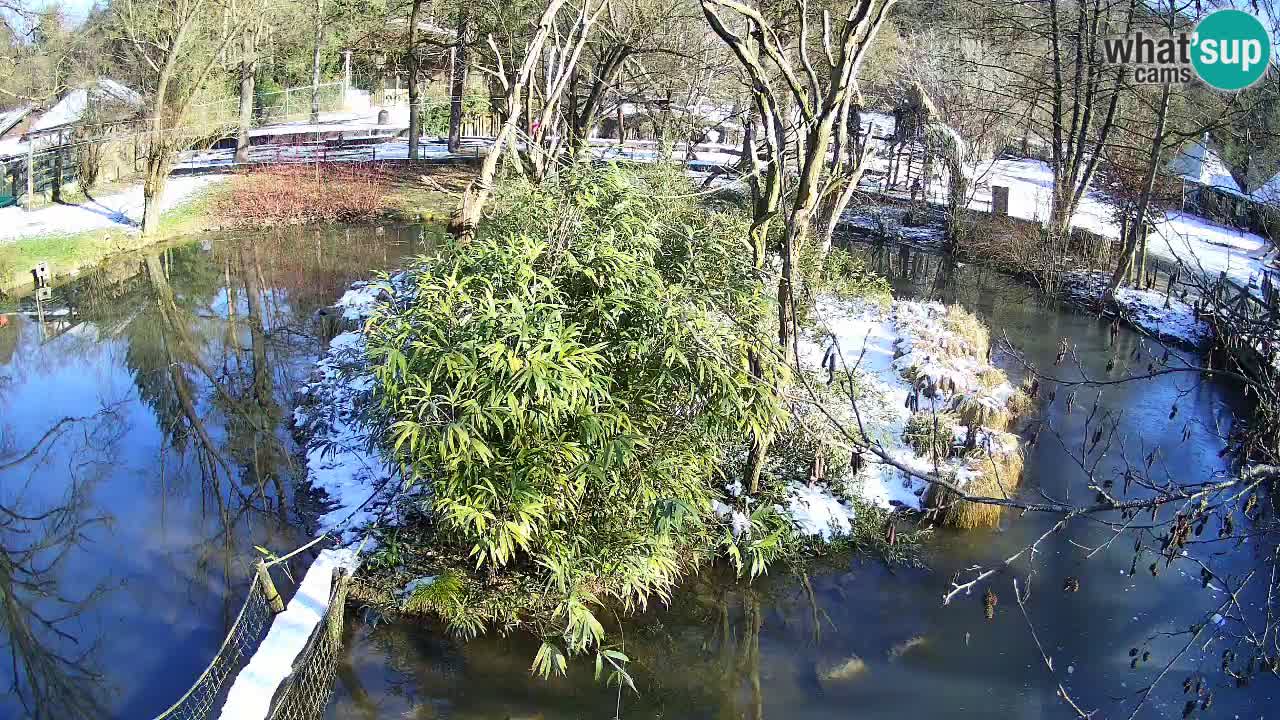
(276, 663)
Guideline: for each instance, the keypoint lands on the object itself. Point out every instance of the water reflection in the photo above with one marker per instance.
(126, 534)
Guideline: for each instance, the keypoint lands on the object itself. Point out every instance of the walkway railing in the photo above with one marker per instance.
(204, 698)
(305, 691)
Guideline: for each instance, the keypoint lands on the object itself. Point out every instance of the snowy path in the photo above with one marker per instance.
(122, 211)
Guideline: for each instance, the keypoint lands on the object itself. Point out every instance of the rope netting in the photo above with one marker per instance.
(203, 699)
(305, 693)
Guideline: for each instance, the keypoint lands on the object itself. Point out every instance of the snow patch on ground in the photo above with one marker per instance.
(886, 345)
(1177, 237)
(816, 512)
(122, 211)
(865, 335)
(343, 459)
(1155, 313)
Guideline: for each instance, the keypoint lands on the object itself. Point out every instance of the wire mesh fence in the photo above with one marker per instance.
(45, 171)
(305, 693)
(275, 106)
(205, 696)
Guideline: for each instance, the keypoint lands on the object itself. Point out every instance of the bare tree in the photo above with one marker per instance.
(818, 99)
(250, 39)
(318, 36)
(178, 44)
(458, 77)
(477, 193)
(415, 111)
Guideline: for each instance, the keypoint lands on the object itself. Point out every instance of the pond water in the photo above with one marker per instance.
(145, 450)
(728, 650)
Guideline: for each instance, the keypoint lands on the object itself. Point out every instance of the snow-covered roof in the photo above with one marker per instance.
(13, 116)
(71, 108)
(12, 147)
(1199, 164)
(1269, 192)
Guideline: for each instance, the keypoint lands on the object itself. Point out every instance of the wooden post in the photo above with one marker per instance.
(31, 173)
(999, 200)
(269, 588)
(57, 175)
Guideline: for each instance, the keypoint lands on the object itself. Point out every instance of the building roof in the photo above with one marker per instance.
(72, 107)
(1198, 163)
(1268, 192)
(11, 117)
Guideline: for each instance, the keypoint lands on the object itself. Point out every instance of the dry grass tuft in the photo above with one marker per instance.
(980, 410)
(1021, 403)
(967, 325)
(995, 475)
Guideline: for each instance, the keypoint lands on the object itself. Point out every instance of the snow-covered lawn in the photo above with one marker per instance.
(122, 211)
(1178, 237)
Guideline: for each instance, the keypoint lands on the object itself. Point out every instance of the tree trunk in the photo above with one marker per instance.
(315, 62)
(415, 120)
(156, 177)
(248, 71)
(458, 82)
(1137, 227)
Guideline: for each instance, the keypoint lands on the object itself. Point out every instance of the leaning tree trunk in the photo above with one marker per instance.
(315, 62)
(458, 82)
(463, 225)
(248, 70)
(415, 118)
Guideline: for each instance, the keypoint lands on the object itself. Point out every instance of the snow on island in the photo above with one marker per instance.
(915, 364)
(1157, 314)
(911, 360)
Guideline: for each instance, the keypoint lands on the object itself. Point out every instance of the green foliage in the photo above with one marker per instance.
(568, 384)
(841, 273)
(435, 114)
(770, 539)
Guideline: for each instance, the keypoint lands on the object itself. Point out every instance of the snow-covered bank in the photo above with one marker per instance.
(121, 211)
(1178, 237)
(343, 460)
(1155, 313)
(345, 465)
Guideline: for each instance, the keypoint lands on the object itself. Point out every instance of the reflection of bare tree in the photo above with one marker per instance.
(52, 674)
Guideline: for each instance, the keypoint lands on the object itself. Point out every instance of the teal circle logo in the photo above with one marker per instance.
(1231, 49)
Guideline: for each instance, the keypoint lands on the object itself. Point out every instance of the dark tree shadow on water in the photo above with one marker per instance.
(49, 671)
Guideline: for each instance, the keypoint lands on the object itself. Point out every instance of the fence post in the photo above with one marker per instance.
(57, 175)
(31, 174)
(269, 588)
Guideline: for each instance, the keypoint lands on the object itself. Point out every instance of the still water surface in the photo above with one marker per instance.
(145, 449)
(126, 537)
